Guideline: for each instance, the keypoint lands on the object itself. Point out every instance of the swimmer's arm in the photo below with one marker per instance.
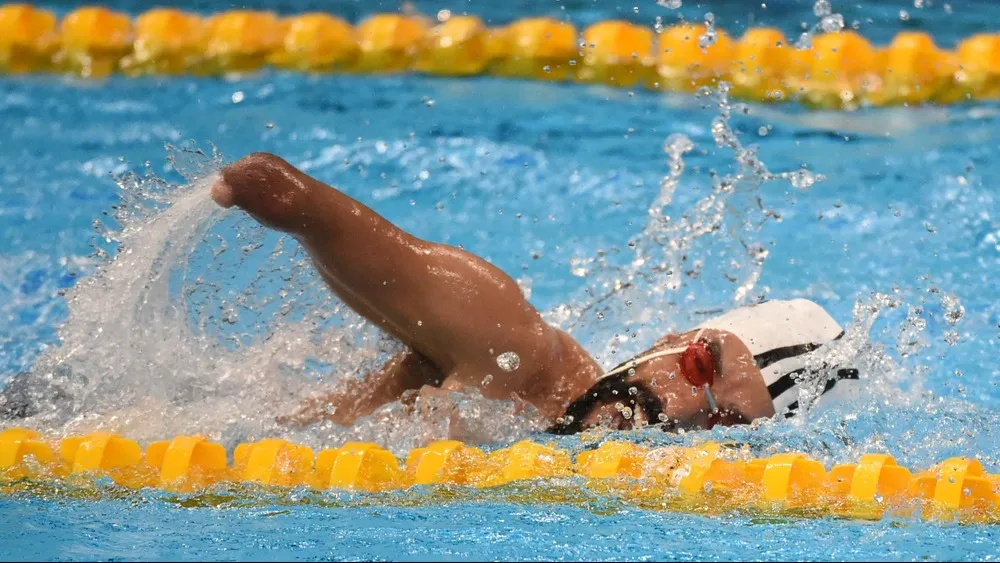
(454, 308)
(360, 397)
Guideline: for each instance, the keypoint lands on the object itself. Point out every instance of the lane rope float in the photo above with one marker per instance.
(839, 70)
(709, 478)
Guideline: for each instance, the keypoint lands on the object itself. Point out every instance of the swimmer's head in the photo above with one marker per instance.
(274, 192)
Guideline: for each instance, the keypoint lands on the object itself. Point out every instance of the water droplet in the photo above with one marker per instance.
(822, 8)
(443, 15)
(953, 308)
(547, 68)
(904, 15)
(710, 36)
(509, 361)
(832, 23)
(677, 144)
(420, 323)
(802, 179)
(487, 380)
(671, 4)
(633, 390)
(951, 337)
(238, 96)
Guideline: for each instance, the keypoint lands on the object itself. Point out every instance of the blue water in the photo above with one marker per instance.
(531, 175)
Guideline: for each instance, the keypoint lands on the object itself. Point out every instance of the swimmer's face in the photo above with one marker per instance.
(671, 405)
(269, 189)
(654, 393)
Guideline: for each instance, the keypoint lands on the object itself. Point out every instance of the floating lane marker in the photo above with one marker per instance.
(839, 70)
(709, 478)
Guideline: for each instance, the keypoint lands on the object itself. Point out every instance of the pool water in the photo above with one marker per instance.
(537, 178)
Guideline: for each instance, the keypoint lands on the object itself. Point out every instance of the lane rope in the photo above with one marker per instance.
(710, 478)
(840, 70)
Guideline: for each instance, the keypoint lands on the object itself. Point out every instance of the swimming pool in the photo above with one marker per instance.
(533, 176)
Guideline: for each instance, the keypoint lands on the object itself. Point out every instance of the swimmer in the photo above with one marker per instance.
(467, 324)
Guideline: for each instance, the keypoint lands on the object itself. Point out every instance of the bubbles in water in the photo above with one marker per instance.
(509, 361)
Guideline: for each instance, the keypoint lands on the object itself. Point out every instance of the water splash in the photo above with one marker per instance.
(688, 263)
(195, 321)
(679, 268)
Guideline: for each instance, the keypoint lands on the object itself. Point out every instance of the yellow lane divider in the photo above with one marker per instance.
(839, 70)
(710, 477)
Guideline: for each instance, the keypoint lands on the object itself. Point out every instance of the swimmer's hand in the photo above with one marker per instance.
(271, 190)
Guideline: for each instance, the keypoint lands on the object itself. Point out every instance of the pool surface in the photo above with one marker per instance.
(537, 178)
